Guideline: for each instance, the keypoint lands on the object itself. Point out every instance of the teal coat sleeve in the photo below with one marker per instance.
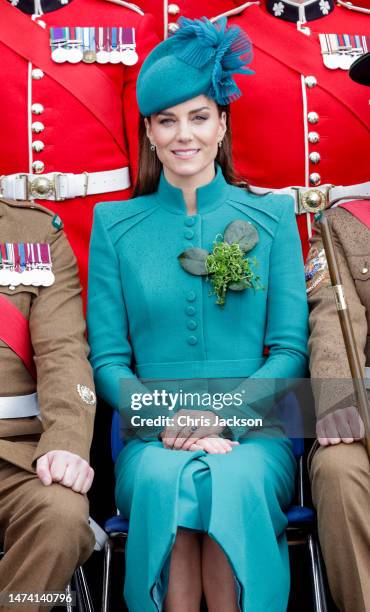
(108, 327)
(287, 313)
(286, 325)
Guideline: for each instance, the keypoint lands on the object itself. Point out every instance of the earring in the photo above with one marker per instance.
(152, 147)
(220, 144)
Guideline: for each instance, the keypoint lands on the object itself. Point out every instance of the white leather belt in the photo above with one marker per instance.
(59, 186)
(367, 378)
(19, 406)
(313, 199)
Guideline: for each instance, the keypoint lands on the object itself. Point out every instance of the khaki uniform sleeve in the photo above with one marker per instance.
(330, 372)
(64, 377)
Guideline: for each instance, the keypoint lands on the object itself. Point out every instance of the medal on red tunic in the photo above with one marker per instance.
(114, 54)
(102, 36)
(58, 42)
(341, 50)
(113, 45)
(89, 46)
(127, 46)
(74, 46)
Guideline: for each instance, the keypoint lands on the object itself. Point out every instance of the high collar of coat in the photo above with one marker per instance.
(38, 7)
(208, 197)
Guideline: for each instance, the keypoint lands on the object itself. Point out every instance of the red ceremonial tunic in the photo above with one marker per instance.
(270, 122)
(271, 125)
(89, 114)
(166, 13)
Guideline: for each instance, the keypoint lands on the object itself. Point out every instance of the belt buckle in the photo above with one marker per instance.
(312, 199)
(44, 186)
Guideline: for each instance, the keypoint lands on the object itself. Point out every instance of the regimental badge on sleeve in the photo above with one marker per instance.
(86, 394)
(316, 270)
(57, 222)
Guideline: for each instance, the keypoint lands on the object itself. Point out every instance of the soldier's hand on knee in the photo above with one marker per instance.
(68, 469)
(342, 425)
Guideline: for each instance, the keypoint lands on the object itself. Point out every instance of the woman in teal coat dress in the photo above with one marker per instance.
(205, 497)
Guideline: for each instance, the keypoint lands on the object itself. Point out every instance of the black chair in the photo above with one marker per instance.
(83, 597)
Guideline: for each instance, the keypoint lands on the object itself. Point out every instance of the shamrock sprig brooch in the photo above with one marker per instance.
(226, 267)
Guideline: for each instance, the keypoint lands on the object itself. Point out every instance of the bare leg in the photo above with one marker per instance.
(218, 579)
(185, 582)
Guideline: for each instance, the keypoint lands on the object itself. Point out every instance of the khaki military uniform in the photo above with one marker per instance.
(340, 474)
(44, 529)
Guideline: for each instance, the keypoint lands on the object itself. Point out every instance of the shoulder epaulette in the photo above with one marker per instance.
(128, 5)
(30, 205)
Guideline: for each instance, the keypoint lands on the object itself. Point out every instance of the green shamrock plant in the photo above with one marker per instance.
(227, 266)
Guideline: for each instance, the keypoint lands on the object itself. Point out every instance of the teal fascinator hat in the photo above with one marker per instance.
(200, 58)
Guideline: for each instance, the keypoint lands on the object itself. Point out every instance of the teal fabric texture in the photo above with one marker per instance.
(149, 320)
(238, 499)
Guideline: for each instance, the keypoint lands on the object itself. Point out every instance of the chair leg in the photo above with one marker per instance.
(83, 597)
(106, 574)
(69, 607)
(318, 585)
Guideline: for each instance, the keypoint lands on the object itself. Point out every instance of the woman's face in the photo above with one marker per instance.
(186, 137)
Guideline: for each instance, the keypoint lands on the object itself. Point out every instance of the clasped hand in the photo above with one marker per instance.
(67, 469)
(192, 438)
(342, 425)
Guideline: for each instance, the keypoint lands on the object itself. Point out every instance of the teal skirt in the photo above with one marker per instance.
(237, 498)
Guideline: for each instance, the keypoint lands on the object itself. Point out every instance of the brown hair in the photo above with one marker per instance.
(150, 167)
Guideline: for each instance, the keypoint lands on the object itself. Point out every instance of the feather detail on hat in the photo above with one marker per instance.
(198, 42)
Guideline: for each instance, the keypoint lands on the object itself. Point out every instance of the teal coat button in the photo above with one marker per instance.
(192, 324)
(192, 340)
(189, 234)
(190, 221)
(190, 310)
(190, 296)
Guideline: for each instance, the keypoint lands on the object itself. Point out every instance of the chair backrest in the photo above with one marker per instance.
(289, 412)
(116, 441)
